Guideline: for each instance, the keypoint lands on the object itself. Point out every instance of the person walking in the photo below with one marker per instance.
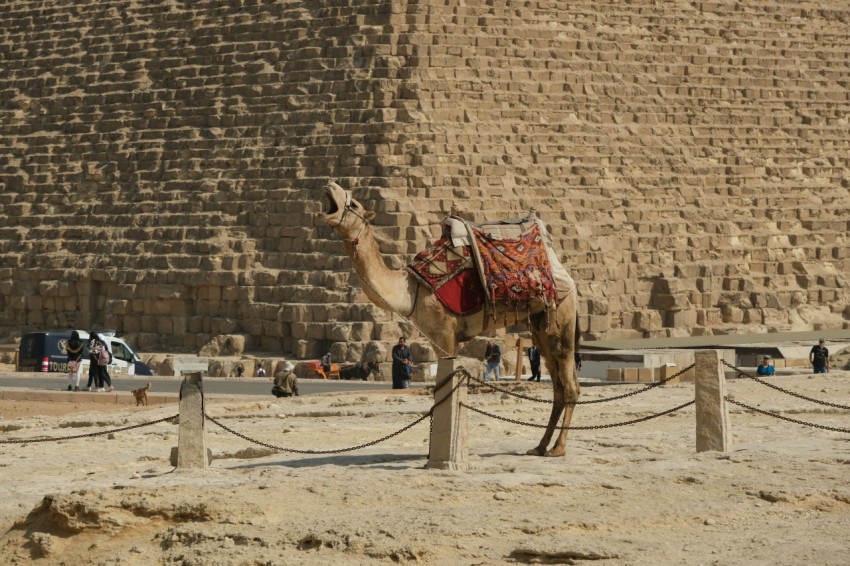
(819, 357)
(534, 360)
(94, 373)
(493, 358)
(100, 356)
(401, 361)
(765, 368)
(75, 349)
(286, 384)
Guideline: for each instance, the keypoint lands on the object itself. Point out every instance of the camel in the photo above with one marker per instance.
(396, 291)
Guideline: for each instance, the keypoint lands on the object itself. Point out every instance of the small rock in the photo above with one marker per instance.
(709, 522)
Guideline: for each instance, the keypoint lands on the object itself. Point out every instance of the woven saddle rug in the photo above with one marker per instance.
(516, 271)
(512, 260)
(449, 272)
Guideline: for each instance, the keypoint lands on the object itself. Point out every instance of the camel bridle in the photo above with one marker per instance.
(347, 207)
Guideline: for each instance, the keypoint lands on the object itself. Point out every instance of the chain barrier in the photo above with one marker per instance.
(89, 435)
(297, 451)
(590, 427)
(787, 392)
(768, 413)
(588, 402)
(429, 414)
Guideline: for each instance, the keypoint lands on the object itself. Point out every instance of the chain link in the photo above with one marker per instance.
(588, 402)
(777, 388)
(591, 427)
(336, 451)
(89, 435)
(769, 414)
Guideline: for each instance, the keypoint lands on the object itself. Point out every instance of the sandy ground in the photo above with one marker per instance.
(637, 494)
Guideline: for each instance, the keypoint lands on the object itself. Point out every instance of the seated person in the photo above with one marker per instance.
(285, 383)
(765, 368)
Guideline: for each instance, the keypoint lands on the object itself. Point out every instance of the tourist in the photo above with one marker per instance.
(765, 368)
(407, 368)
(493, 359)
(819, 357)
(261, 372)
(534, 360)
(326, 364)
(401, 362)
(75, 349)
(100, 356)
(286, 384)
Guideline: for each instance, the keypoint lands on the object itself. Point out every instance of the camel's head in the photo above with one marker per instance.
(344, 212)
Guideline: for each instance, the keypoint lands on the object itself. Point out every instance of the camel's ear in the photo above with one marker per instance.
(369, 215)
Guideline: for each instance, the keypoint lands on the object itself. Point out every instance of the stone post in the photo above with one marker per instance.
(449, 434)
(192, 442)
(710, 393)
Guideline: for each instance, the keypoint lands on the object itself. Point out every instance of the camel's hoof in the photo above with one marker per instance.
(554, 454)
(535, 452)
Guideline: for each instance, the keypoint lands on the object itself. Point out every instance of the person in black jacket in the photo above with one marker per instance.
(819, 357)
(401, 360)
(534, 360)
(99, 373)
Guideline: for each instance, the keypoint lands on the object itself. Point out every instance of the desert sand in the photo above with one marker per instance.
(637, 494)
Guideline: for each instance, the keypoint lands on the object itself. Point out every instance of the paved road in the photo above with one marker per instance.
(215, 385)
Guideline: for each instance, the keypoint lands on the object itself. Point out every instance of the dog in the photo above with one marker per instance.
(360, 370)
(141, 394)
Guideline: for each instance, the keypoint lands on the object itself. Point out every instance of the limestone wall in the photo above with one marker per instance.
(163, 161)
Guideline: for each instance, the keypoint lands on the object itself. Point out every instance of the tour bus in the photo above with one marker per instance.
(45, 351)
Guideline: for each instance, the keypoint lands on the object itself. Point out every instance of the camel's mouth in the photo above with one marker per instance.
(333, 208)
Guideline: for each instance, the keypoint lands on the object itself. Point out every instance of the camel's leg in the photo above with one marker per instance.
(558, 349)
(557, 408)
(570, 391)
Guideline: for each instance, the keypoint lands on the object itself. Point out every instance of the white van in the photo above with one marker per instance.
(45, 351)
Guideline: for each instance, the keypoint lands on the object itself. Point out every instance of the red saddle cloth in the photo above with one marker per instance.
(450, 274)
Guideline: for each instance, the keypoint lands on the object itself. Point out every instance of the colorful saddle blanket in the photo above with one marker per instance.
(449, 272)
(515, 270)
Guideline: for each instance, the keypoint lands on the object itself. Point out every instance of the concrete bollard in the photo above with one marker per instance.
(192, 442)
(449, 434)
(710, 394)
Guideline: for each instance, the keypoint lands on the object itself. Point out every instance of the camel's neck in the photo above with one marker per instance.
(387, 288)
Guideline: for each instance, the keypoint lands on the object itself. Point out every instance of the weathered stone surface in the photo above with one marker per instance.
(177, 198)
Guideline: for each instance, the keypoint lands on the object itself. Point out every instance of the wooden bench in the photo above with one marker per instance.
(316, 368)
